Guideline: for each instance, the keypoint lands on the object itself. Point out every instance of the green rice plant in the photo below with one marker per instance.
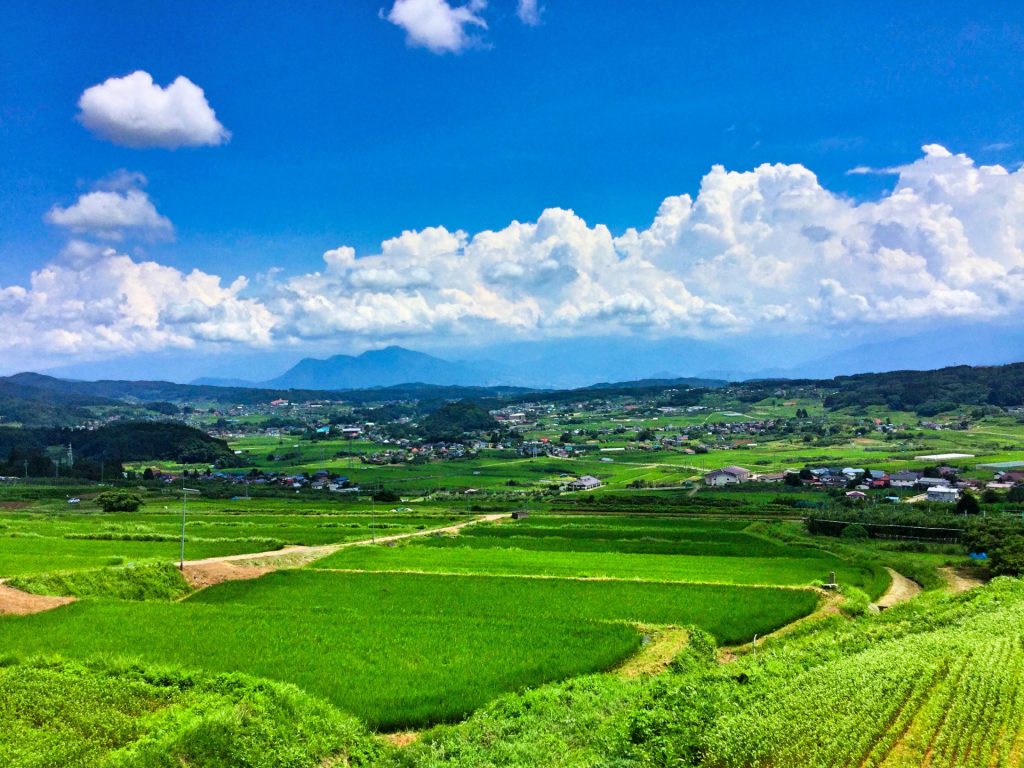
(937, 684)
(73, 715)
(635, 540)
(401, 650)
(455, 559)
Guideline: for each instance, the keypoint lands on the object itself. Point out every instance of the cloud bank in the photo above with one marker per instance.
(133, 111)
(96, 301)
(765, 250)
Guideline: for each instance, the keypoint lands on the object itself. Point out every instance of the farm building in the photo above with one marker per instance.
(904, 479)
(946, 493)
(585, 483)
(727, 476)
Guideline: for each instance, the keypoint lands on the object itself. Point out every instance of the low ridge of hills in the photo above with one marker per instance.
(33, 399)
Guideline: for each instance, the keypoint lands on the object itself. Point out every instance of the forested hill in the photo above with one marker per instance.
(35, 400)
(112, 444)
(925, 392)
(931, 392)
(32, 406)
(109, 392)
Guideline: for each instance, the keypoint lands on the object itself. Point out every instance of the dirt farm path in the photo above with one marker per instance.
(900, 590)
(214, 570)
(252, 565)
(14, 601)
(959, 579)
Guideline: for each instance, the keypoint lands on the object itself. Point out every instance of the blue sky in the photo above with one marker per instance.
(345, 130)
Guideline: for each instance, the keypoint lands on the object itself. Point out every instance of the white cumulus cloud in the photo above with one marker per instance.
(436, 25)
(94, 301)
(133, 111)
(114, 212)
(764, 250)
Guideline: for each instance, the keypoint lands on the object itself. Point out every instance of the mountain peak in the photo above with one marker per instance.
(385, 367)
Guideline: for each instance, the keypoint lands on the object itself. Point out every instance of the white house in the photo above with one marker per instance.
(904, 479)
(727, 476)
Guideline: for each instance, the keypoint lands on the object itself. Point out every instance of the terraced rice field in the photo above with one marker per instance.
(38, 542)
(937, 689)
(401, 650)
(672, 550)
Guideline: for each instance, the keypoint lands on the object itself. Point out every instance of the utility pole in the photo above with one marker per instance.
(184, 499)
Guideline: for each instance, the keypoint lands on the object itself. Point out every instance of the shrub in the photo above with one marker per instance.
(1003, 542)
(857, 602)
(119, 501)
(855, 531)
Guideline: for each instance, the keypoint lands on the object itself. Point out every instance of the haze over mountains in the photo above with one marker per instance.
(580, 362)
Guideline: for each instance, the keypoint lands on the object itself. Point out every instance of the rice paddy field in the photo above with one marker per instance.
(48, 534)
(409, 634)
(400, 650)
(433, 632)
(694, 551)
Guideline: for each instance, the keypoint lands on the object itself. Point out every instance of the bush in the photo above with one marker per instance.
(121, 715)
(857, 602)
(386, 495)
(855, 531)
(119, 501)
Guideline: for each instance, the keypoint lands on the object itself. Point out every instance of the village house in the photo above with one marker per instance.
(585, 483)
(904, 479)
(943, 493)
(727, 476)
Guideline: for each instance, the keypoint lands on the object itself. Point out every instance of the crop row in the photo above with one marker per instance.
(951, 697)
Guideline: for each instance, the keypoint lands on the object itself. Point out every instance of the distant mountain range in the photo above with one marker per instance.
(579, 362)
(385, 368)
